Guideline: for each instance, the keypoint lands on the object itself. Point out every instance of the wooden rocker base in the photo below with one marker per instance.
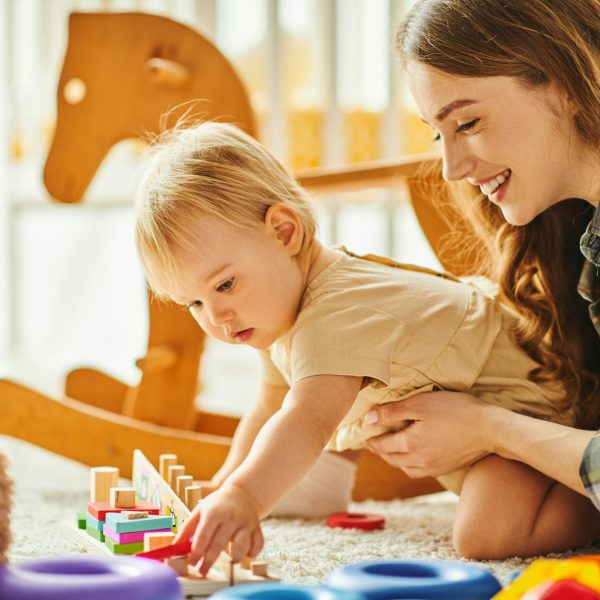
(94, 436)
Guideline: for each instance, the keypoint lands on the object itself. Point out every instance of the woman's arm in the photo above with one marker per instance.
(267, 404)
(451, 430)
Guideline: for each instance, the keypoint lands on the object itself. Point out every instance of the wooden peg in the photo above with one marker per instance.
(183, 481)
(193, 495)
(174, 472)
(164, 462)
(101, 480)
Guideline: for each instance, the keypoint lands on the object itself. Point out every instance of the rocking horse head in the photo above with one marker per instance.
(122, 72)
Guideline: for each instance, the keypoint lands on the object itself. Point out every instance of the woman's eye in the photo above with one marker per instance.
(226, 285)
(467, 126)
(436, 138)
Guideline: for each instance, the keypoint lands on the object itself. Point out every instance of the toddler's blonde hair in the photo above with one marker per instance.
(208, 169)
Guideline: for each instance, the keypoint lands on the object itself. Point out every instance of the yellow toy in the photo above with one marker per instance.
(532, 584)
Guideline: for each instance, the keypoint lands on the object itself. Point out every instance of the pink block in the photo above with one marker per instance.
(131, 537)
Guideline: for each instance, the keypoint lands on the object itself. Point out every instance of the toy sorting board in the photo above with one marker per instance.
(151, 487)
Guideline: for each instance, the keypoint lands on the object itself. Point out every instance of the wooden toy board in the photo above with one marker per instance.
(151, 487)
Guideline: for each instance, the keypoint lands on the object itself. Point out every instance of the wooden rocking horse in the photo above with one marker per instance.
(121, 73)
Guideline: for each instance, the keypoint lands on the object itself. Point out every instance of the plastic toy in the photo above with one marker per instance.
(583, 570)
(365, 521)
(89, 577)
(283, 591)
(431, 579)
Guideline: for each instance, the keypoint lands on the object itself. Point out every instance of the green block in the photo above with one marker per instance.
(81, 521)
(116, 548)
(98, 535)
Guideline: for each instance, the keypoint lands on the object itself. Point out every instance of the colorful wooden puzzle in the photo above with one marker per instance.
(143, 520)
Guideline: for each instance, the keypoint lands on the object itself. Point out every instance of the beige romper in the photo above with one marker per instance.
(406, 331)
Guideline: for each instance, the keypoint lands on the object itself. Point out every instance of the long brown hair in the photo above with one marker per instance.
(537, 266)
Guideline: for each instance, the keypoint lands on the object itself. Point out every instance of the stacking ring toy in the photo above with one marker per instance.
(284, 591)
(432, 579)
(89, 577)
(364, 521)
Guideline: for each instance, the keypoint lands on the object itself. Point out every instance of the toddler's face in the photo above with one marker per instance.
(241, 287)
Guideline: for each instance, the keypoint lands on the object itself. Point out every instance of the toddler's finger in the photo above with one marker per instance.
(257, 542)
(240, 545)
(213, 550)
(187, 529)
(203, 537)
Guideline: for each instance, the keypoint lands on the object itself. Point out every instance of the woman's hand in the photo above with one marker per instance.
(227, 515)
(446, 431)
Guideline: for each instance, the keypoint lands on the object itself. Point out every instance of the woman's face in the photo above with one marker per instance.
(517, 143)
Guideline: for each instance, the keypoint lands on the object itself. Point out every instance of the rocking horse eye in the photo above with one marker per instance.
(75, 90)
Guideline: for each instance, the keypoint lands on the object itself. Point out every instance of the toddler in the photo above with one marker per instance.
(223, 230)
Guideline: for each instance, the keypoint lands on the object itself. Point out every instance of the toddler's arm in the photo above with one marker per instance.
(284, 450)
(267, 404)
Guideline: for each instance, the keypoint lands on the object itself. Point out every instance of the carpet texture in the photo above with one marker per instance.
(50, 489)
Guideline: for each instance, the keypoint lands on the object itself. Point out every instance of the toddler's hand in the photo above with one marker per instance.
(228, 514)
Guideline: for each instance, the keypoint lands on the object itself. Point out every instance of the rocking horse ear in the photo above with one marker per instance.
(5, 508)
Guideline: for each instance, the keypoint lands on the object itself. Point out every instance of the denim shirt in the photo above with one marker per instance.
(589, 288)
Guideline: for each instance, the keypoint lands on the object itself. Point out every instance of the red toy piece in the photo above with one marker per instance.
(569, 589)
(182, 548)
(364, 521)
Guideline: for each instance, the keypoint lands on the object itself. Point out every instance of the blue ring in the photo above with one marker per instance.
(284, 591)
(428, 579)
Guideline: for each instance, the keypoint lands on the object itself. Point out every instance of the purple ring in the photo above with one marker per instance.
(90, 577)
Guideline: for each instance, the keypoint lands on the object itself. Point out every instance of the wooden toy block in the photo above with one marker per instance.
(164, 462)
(193, 495)
(122, 497)
(101, 480)
(81, 521)
(97, 535)
(128, 537)
(99, 510)
(152, 523)
(179, 564)
(91, 522)
(131, 515)
(174, 472)
(259, 568)
(123, 548)
(154, 540)
(183, 481)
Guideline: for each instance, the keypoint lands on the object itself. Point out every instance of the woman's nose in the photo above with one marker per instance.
(457, 162)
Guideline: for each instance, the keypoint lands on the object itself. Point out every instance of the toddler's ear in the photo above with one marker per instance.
(283, 221)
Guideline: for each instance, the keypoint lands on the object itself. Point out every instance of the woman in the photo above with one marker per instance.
(512, 90)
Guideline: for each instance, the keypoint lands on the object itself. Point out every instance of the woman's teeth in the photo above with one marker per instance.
(489, 187)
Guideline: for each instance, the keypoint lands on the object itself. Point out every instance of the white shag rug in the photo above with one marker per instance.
(50, 490)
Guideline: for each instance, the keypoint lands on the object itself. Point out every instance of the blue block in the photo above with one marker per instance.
(120, 524)
(94, 523)
(431, 579)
